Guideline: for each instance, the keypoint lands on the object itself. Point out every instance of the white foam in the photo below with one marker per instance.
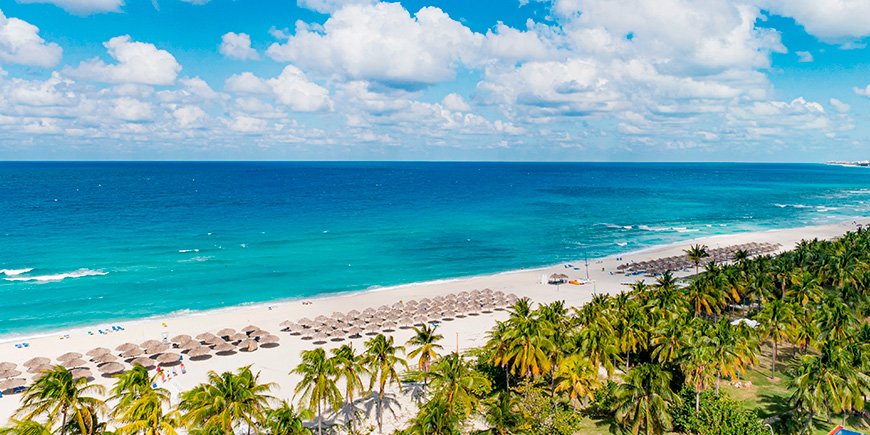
(649, 228)
(15, 272)
(57, 277)
(792, 205)
(183, 251)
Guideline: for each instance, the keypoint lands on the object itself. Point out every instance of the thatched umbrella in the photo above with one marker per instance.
(353, 314)
(369, 311)
(11, 373)
(239, 336)
(297, 329)
(36, 361)
(258, 333)
(224, 348)
(149, 343)
(40, 368)
(168, 358)
(269, 339)
(106, 358)
(81, 372)
(216, 341)
(226, 332)
(69, 355)
(7, 366)
(98, 351)
(192, 344)
(249, 345)
(12, 383)
(198, 352)
(76, 362)
(286, 325)
(129, 353)
(389, 325)
(126, 346)
(143, 361)
(111, 368)
(205, 336)
(354, 331)
(320, 337)
(181, 339)
(250, 328)
(157, 349)
(306, 321)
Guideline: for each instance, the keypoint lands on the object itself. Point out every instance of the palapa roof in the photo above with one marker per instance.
(198, 352)
(151, 350)
(134, 351)
(75, 362)
(143, 361)
(112, 367)
(68, 356)
(39, 360)
(81, 372)
(224, 347)
(226, 332)
(205, 336)
(249, 345)
(149, 343)
(250, 328)
(181, 339)
(12, 383)
(98, 351)
(105, 358)
(269, 339)
(40, 368)
(11, 373)
(126, 346)
(7, 366)
(168, 357)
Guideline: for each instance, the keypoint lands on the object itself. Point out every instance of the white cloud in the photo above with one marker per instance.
(840, 106)
(455, 102)
(83, 7)
(238, 46)
(329, 6)
(835, 21)
(864, 92)
(137, 62)
(196, 2)
(188, 116)
(20, 43)
(804, 56)
(246, 83)
(246, 124)
(383, 43)
(131, 109)
(293, 89)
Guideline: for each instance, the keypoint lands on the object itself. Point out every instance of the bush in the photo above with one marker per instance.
(539, 415)
(718, 415)
(602, 405)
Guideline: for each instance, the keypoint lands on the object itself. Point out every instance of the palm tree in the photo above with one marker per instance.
(697, 360)
(426, 345)
(642, 403)
(381, 356)
(501, 415)
(731, 352)
(667, 340)
(226, 401)
(805, 288)
(777, 324)
(458, 385)
(284, 420)
(58, 395)
(598, 342)
(498, 343)
(631, 327)
(140, 408)
(697, 254)
(702, 294)
(579, 377)
(529, 345)
(435, 417)
(349, 366)
(834, 319)
(26, 427)
(317, 386)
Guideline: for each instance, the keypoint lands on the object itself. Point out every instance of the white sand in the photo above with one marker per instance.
(274, 364)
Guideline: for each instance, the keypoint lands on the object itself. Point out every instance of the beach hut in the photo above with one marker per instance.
(111, 368)
(36, 361)
(557, 279)
(68, 356)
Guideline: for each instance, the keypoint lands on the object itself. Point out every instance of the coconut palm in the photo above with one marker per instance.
(284, 420)
(667, 341)
(730, 351)
(834, 319)
(529, 346)
(642, 403)
(697, 360)
(225, 402)
(703, 295)
(57, 395)
(435, 417)
(140, 409)
(382, 358)
(805, 288)
(578, 377)
(458, 385)
(598, 341)
(501, 415)
(425, 342)
(25, 427)
(317, 387)
(777, 324)
(697, 254)
(349, 366)
(497, 342)
(130, 385)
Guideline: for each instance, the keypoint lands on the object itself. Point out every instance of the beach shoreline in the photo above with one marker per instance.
(274, 364)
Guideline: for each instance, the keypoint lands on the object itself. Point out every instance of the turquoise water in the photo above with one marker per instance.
(113, 241)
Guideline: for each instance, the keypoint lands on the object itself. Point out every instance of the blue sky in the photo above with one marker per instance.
(675, 80)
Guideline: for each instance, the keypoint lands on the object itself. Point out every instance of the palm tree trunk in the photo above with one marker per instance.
(627, 358)
(809, 420)
(380, 410)
(319, 419)
(349, 409)
(63, 423)
(507, 378)
(697, 402)
(718, 378)
(773, 366)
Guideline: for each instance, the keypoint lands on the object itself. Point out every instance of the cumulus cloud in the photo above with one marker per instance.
(328, 6)
(384, 43)
(131, 109)
(291, 88)
(83, 7)
(137, 62)
(238, 46)
(246, 83)
(804, 56)
(840, 106)
(455, 102)
(20, 43)
(864, 92)
(834, 21)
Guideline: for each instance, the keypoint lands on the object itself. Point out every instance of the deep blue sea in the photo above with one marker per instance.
(84, 243)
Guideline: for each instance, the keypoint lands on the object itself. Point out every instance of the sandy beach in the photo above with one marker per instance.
(275, 363)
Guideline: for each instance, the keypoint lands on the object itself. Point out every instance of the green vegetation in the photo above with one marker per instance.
(672, 356)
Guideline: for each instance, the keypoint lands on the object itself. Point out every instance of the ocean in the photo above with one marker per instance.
(85, 243)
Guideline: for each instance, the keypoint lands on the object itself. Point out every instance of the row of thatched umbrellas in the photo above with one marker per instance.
(680, 262)
(149, 354)
(354, 324)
